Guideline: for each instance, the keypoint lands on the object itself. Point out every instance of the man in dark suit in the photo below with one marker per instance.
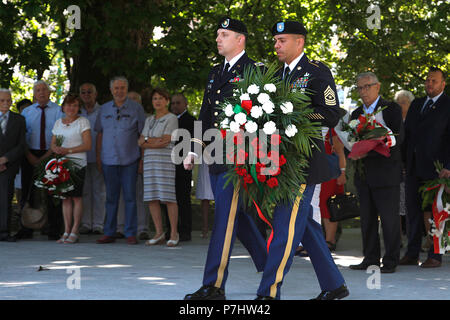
(427, 139)
(378, 184)
(12, 149)
(230, 220)
(183, 177)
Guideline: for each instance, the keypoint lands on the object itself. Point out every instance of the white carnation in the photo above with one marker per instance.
(269, 127)
(235, 127)
(251, 126)
(256, 112)
(229, 110)
(287, 107)
(225, 122)
(291, 130)
(240, 118)
(353, 124)
(244, 96)
(263, 98)
(268, 107)
(253, 89)
(270, 87)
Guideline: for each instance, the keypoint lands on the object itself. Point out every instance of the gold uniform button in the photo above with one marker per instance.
(216, 113)
(218, 91)
(215, 124)
(217, 101)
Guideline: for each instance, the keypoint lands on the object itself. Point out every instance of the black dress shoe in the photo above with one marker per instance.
(338, 293)
(185, 237)
(53, 237)
(363, 265)
(258, 297)
(207, 293)
(387, 269)
(24, 233)
(408, 261)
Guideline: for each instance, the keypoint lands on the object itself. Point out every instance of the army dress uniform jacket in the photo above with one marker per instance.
(218, 88)
(316, 81)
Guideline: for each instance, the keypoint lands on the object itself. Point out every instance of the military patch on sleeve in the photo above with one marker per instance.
(330, 97)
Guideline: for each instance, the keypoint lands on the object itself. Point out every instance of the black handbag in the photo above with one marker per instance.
(343, 206)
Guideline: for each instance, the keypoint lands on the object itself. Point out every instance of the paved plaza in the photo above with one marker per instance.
(89, 271)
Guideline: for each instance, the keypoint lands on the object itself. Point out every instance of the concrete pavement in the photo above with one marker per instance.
(118, 271)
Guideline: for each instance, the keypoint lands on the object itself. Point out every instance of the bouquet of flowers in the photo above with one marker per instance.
(271, 167)
(56, 174)
(366, 134)
(437, 194)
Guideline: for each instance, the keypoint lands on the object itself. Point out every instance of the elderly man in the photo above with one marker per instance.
(427, 136)
(94, 186)
(142, 210)
(12, 147)
(118, 127)
(40, 118)
(379, 184)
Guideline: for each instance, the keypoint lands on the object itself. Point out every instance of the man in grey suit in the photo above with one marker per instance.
(12, 147)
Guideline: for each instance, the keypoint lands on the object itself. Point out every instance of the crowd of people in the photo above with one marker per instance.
(124, 159)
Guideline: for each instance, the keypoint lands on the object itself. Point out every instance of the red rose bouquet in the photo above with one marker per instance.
(56, 174)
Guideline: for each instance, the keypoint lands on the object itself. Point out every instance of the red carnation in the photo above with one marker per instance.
(238, 139)
(248, 179)
(224, 133)
(272, 182)
(259, 166)
(261, 178)
(247, 105)
(275, 139)
(282, 160)
(275, 172)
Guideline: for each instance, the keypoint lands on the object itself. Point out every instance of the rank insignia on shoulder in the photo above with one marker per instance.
(330, 97)
(259, 64)
(314, 63)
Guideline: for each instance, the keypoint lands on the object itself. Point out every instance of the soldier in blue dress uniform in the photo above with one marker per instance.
(230, 219)
(293, 222)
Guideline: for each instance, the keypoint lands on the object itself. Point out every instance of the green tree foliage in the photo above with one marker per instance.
(119, 38)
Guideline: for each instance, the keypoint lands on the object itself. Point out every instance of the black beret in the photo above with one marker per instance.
(233, 25)
(288, 27)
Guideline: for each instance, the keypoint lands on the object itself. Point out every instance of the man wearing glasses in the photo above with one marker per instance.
(118, 126)
(379, 184)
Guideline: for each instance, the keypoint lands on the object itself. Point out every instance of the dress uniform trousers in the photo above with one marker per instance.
(294, 223)
(230, 221)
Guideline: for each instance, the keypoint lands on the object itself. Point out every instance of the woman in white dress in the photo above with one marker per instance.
(76, 133)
